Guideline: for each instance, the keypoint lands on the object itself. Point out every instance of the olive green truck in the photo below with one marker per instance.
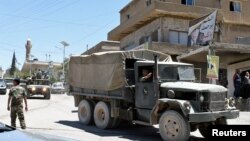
(107, 89)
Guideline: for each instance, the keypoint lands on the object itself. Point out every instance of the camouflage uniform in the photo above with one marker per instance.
(17, 93)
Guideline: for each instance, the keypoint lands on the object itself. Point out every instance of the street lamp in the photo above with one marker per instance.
(65, 44)
(50, 67)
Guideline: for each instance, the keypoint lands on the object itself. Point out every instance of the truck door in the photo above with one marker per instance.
(145, 97)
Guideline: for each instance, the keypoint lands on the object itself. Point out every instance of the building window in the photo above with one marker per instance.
(187, 2)
(235, 6)
(128, 16)
(178, 37)
(148, 2)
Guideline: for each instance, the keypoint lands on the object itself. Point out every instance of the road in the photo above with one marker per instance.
(58, 116)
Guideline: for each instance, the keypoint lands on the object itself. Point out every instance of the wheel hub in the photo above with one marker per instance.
(83, 112)
(101, 115)
(172, 128)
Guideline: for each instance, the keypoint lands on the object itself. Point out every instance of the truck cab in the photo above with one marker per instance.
(173, 100)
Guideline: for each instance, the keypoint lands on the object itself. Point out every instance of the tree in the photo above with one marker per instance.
(13, 65)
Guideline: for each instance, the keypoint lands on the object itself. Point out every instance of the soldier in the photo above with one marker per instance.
(237, 83)
(15, 103)
(146, 76)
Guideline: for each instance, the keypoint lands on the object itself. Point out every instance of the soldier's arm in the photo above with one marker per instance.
(25, 100)
(26, 105)
(9, 99)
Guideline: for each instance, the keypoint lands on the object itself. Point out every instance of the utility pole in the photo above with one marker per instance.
(65, 44)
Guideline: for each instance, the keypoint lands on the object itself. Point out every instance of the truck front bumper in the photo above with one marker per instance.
(212, 116)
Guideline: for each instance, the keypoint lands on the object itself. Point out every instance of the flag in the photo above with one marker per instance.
(212, 66)
(201, 30)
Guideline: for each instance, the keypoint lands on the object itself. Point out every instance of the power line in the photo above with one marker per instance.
(17, 11)
(94, 32)
(36, 12)
(47, 20)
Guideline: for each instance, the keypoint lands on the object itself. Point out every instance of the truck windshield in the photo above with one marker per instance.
(186, 73)
(39, 82)
(175, 73)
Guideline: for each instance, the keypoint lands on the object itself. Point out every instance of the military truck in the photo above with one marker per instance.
(38, 87)
(107, 89)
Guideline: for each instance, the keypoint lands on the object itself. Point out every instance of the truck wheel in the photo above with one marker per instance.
(85, 112)
(174, 127)
(203, 128)
(47, 96)
(102, 116)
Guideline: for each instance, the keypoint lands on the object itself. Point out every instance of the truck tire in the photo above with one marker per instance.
(85, 112)
(102, 115)
(47, 96)
(203, 128)
(174, 127)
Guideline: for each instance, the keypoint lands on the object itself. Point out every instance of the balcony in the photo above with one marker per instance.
(155, 10)
(171, 49)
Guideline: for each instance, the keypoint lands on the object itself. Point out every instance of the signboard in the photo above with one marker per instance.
(201, 30)
(212, 66)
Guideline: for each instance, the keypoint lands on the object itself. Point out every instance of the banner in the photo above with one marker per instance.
(212, 67)
(201, 30)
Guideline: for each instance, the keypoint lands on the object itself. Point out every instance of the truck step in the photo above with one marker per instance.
(141, 123)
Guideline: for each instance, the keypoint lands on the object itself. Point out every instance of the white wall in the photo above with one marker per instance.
(230, 73)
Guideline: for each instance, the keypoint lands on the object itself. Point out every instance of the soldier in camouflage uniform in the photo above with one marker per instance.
(17, 95)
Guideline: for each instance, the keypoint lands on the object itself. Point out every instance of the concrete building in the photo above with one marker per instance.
(103, 46)
(162, 25)
(28, 47)
(33, 65)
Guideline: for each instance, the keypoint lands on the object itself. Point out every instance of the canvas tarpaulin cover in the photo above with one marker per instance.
(106, 70)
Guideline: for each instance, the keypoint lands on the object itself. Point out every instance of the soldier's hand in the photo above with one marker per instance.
(148, 75)
(26, 108)
(8, 108)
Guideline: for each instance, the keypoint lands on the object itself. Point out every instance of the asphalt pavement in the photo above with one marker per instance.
(58, 116)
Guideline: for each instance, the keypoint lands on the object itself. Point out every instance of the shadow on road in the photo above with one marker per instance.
(125, 130)
(35, 98)
(74, 111)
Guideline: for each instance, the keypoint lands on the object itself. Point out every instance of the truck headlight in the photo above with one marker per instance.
(44, 89)
(187, 106)
(33, 89)
(171, 94)
(201, 98)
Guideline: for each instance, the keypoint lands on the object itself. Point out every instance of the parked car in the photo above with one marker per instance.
(8, 133)
(58, 88)
(2, 86)
(9, 82)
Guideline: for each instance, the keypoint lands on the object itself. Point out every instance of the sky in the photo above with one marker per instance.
(80, 23)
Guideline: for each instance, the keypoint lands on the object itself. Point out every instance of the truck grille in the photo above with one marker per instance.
(213, 102)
